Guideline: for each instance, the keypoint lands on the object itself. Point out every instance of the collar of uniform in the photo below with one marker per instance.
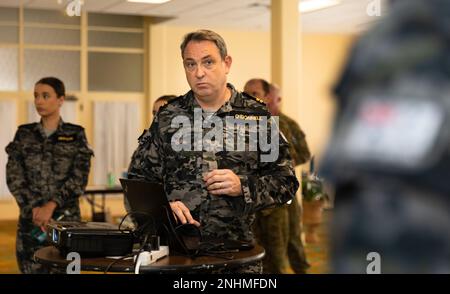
(235, 99)
(59, 129)
(228, 106)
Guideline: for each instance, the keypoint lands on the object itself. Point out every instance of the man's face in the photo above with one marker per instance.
(205, 70)
(274, 106)
(255, 89)
(274, 101)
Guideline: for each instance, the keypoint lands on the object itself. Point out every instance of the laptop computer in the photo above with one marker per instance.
(151, 210)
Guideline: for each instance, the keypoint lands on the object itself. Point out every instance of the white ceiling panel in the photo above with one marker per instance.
(348, 17)
(128, 8)
(178, 7)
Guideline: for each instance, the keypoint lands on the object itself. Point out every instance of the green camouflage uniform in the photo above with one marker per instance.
(41, 169)
(278, 230)
(264, 184)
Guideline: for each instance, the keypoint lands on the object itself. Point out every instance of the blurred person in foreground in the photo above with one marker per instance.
(389, 154)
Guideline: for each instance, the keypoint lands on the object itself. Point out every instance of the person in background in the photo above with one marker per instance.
(47, 170)
(278, 230)
(258, 88)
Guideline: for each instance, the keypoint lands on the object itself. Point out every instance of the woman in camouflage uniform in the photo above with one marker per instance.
(47, 170)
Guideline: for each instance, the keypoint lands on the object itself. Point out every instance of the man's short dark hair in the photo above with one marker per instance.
(205, 35)
(265, 84)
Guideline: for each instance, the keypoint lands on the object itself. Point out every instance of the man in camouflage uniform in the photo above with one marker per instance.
(389, 155)
(209, 183)
(278, 230)
(43, 169)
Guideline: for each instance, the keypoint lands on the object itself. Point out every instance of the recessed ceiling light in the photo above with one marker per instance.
(149, 1)
(313, 5)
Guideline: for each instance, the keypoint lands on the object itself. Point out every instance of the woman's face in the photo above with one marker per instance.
(46, 101)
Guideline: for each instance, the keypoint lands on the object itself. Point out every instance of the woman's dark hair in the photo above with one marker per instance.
(55, 83)
(166, 98)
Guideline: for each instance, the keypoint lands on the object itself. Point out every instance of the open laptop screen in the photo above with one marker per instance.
(149, 205)
(151, 210)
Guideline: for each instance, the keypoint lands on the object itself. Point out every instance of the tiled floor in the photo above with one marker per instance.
(318, 253)
(8, 263)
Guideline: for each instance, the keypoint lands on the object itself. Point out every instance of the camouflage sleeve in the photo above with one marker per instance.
(298, 142)
(16, 178)
(77, 179)
(146, 161)
(275, 184)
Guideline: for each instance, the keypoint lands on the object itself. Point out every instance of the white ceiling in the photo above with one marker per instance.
(348, 17)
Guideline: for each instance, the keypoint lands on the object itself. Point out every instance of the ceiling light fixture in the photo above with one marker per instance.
(313, 5)
(149, 1)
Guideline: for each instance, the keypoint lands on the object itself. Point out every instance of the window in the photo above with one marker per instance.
(115, 72)
(52, 36)
(9, 49)
(116, 53)
(52, 45)
(9, 69)
(8, 127)
(116, 129)
(64, 65)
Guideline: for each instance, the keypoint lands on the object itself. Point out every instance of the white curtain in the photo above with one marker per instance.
(116, 129)
(68, 112)
(8, 121)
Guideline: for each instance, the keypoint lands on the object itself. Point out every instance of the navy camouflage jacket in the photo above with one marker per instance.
(177, 150)
(41, 169)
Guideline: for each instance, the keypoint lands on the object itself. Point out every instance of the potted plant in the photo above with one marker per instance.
(314, 198)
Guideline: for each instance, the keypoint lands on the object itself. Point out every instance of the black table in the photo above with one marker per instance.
(50, 256)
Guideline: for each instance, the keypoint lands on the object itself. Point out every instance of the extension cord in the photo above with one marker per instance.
(148, 257)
